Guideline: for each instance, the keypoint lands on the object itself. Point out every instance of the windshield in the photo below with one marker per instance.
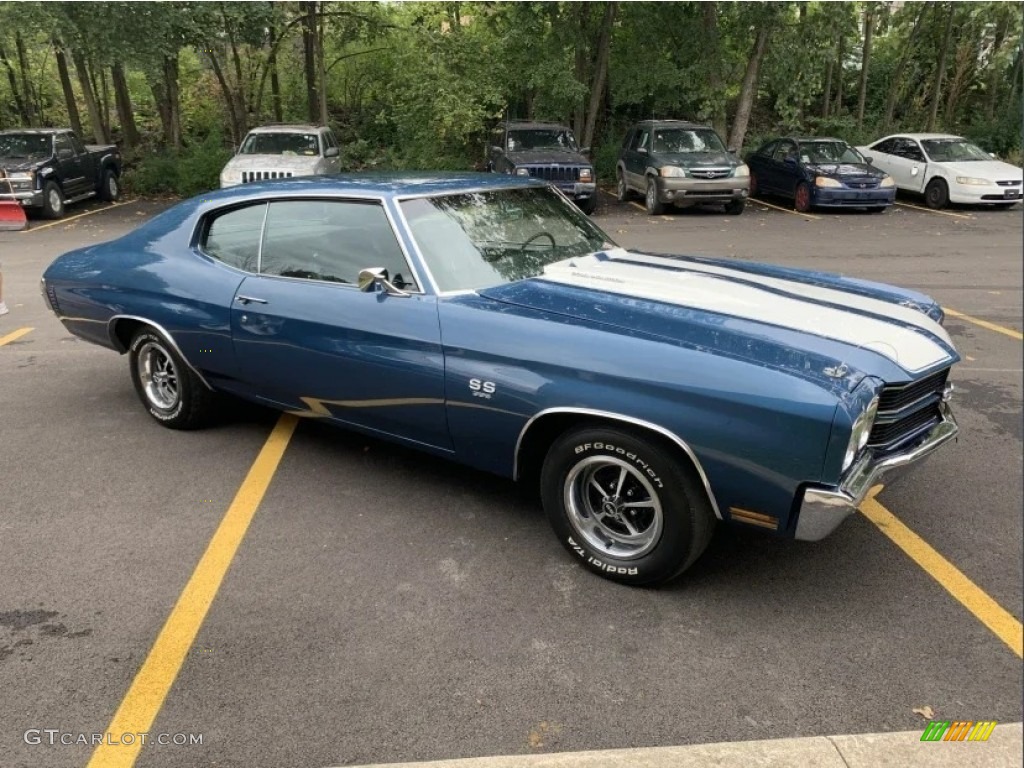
(541, 138)
(953, 150)
(476, 240)
(824, 152)
(681, 140)
(280, 144)
(25, 145)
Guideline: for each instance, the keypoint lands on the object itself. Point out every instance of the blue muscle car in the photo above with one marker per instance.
(486, 319)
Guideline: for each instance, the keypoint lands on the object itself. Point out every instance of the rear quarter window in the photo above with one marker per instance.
(234, 236)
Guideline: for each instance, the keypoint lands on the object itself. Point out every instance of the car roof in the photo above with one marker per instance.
(288, 128)
(382, 184)
(40, 131)
(532, 124)
(921, 136)
(673, 123)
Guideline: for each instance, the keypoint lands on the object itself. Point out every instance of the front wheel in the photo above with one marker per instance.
(53, 201)
(735, 207)
(172, 393)
(936, 194)
(877, 209)
(802, 197)
(622, 192)
(654, 206)
(630, 510)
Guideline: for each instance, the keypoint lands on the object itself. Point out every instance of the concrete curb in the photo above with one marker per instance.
(904, 749)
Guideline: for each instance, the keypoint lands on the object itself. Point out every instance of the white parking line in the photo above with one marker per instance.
(72, 218)
(932, 210)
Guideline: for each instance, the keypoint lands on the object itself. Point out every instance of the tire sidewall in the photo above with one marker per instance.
(806, 190)
(673, 549)
(177, 413)
(111, 194)
(621, 188)
(940, 197)
(48, 209)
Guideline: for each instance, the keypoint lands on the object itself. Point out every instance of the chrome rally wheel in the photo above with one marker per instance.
(158, 375)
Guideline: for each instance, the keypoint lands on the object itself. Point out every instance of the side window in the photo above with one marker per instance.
(885, 147)
(640, 140)
(767, 149)
(627, 139)
(913, 151)
(234, 236)
(63, 145)
(331, 240)
(78, 146)
(784, 150)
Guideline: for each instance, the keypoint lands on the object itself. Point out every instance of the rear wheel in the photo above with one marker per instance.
(630, 509)
(654, 206)
(53, 201)
(936, 194)
(802, 197)
(172, 393)
(110, 187)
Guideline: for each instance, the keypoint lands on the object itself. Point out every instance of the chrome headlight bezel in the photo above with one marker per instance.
(671, 172)
(522, 172)
(860, 433)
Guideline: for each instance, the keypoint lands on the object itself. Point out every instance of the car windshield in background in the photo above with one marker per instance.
(481, 239)
(281, 144)
(829, 152)
(25, 145)
(538, 138)
(682, 140)
(953, 150)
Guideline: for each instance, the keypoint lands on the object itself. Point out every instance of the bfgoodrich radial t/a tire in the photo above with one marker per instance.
(172, 393)
(629, 508)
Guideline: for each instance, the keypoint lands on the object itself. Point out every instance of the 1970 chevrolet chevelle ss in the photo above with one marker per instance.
(486, 319)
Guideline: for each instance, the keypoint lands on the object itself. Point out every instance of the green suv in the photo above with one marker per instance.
(673, 162)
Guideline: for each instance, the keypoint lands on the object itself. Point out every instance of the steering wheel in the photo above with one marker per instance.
(548, 235)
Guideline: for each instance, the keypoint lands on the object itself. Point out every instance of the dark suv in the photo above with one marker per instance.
(673, 162)
(546, 151)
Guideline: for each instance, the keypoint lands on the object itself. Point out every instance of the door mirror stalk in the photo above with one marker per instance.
(376, 279)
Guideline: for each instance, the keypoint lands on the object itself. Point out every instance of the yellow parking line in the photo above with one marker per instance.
(932, 210)
(148, 690)
(635, 204)
(985, 324)
(785, 210)
(72, 218)
(14, 335)
(1000, 621)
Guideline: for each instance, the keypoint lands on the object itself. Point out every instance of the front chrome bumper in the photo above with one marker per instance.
(29, 198)
(823, 509)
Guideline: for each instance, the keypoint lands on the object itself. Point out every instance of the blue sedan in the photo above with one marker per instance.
(487, 320)
(819, 173)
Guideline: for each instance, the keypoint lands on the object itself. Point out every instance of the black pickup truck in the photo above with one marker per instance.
(46, 168)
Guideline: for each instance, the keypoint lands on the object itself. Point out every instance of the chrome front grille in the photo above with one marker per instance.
(248, 176)
(709, 173)
(905, 411)
(554, 173)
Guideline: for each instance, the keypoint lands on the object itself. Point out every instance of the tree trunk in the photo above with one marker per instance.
(582, 76)
(105, 100)
(992, 87)
(236, 96)
(15, 91)
(322, 72)
(26, 87)
(749, 90)
(173, 99)
(229, 99)
(309, 59)
(89, 95)
(940, 70)
(838, 107)
(275, 83)
(828, 88)
(963, 73)
(65, 84)
(897, 77)
(864, 61)
(713, 50)
(123, 99)
(600, 72)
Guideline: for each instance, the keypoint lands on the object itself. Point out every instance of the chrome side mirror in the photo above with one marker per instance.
(376, 279)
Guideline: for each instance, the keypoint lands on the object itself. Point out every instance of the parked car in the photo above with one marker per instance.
(48, 168)
(673, 162)
(282, 151)
(819, 173)
(485, 319)
(946, 168)
(546, 151)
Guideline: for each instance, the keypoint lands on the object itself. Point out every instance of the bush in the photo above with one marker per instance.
(193, 170)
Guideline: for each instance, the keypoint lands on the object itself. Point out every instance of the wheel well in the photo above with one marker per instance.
(544, 431)
(123, 331)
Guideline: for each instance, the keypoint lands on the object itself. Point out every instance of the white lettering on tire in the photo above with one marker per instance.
(643, 465)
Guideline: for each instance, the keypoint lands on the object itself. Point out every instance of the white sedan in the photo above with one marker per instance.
(946, 168)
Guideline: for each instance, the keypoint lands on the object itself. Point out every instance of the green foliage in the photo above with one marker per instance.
(193, 170)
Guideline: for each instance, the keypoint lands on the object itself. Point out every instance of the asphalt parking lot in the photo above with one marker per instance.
(385, 606)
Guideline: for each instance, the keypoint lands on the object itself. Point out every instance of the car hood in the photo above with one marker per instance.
(846, 170)
(810, 324)
(535, 156)
(993, 170)
(697, 159)
(272, 162)
(20, 164)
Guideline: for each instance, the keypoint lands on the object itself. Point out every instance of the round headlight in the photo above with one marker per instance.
(522, 171)
(861, 432)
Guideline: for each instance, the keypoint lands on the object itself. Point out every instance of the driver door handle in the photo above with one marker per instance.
(250, 300)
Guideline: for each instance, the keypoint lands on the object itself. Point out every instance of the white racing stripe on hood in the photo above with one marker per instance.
(911, 350)
(906, 314)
